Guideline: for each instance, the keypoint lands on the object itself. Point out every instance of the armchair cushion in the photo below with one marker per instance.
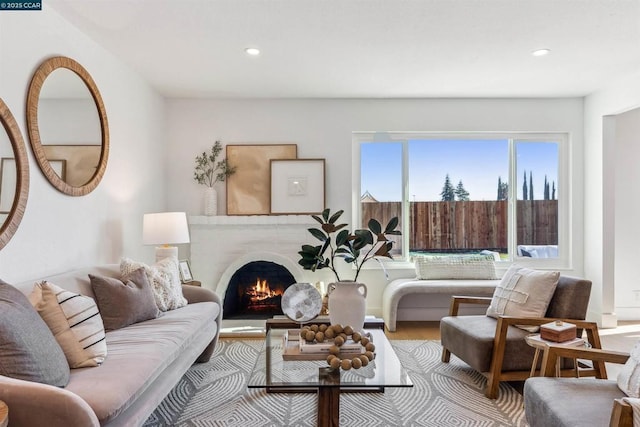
(523, 292)
(471, 338)
(575, 402)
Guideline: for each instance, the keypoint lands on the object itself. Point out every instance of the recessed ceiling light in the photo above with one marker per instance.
(253, 51)
(541, 52)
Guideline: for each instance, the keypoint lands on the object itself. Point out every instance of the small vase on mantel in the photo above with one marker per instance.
(347, 304)
(210, 201)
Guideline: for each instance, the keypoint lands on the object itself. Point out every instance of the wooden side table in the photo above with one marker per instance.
(542, 346)
(4, 414)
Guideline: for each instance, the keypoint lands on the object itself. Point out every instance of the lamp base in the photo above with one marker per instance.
(163, 252)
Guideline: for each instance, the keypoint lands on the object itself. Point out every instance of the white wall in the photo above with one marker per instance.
(60, 232)
(322, 128)
(627, 208)
(600, 205)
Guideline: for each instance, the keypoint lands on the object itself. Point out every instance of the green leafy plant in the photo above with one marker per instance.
(209, 169)
(337, 242)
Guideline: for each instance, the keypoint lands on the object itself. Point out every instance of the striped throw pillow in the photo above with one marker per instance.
(75, 321)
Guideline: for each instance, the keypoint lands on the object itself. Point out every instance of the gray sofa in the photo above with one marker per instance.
(144, 362)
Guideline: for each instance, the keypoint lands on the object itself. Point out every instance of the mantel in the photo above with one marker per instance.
(252, 220)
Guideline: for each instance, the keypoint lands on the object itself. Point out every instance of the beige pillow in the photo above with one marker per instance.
(74, 321)
(523, 292)
(126, 301)
(164, 278)
(629, 376)
(429, 267)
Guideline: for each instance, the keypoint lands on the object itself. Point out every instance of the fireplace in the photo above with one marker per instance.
(255, 290)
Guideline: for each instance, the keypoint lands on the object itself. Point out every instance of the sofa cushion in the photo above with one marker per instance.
(569, 402)
(523, 292)
(629, 376)
(164, 277)
(28, 350)
(429, 267)
(139, 354)
(125, 301)
(75, 322)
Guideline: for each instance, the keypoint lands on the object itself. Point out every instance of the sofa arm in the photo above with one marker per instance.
(195, 294)
(35, 404)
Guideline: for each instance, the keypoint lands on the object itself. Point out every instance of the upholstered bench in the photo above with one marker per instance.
(430, 299)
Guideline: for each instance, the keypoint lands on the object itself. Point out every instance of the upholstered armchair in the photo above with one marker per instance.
(564, 402)
(497, 348)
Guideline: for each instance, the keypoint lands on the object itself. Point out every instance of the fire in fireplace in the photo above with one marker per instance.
(255, 291)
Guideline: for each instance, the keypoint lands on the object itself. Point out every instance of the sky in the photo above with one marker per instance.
(477, 163)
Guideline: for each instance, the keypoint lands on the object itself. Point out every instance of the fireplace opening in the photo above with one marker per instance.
(255, 291)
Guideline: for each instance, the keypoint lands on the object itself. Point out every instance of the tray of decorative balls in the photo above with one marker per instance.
(339, 346)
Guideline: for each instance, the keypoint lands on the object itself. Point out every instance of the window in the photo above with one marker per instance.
(453, 193)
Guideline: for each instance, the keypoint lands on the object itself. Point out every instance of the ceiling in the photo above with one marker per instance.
(366, 48)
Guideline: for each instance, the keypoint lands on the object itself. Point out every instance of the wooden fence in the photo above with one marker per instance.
(450, 226)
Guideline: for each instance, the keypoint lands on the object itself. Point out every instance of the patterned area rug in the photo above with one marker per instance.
(215, 394)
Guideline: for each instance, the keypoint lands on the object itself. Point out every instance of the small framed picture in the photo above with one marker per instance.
(185, 271)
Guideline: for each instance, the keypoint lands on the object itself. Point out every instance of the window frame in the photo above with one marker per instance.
(564, 260)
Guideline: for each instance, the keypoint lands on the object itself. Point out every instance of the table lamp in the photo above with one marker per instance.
(164, 229)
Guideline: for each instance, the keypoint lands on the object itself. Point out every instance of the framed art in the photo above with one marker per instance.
(297, 186)
(185, 271)
(248, 188)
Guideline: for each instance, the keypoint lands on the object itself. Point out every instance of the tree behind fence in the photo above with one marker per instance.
(470, 225)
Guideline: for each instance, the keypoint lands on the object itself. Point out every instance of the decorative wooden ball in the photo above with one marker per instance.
(364, 341)
(329, 334)
(335, 363)
(356, 337)
(314, 328)
(337, 328)
(334, 349)
(320, 336)
(345, 364)
(364, 359)
(370, 355)
(322, 327)
(310, 336)
(348, 330)
(370, 347)
(339, 340)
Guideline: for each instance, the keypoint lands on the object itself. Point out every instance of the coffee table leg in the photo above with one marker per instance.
(329, 398)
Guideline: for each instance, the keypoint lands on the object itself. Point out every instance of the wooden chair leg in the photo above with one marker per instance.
(446, 355)
(493, 386)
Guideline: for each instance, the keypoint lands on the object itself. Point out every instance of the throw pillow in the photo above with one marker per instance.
(455, 267)
(125, 301)
(629, 376)
(75, 322)
(164, 278)
(523, 292)
(29, 350)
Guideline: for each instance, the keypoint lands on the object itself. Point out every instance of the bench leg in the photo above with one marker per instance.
(446, 355)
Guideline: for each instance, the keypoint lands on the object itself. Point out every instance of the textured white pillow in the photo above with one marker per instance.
(74, 320)
(164, 278)
(455, 267)
(629, 376)
(523, 292)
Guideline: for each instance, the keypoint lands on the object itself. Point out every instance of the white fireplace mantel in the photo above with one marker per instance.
(218, 242)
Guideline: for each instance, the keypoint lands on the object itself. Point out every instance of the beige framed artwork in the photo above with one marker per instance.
(297, 186)
(248, 190)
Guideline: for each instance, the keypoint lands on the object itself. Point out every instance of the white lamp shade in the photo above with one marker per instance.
(165, 228)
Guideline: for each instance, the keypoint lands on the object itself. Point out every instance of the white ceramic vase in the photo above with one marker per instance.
(347, 304)
(210, 201)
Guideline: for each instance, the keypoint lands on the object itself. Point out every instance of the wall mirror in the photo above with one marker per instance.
(67, 125)
(14, 175)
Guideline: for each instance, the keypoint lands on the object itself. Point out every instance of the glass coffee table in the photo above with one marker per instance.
(278, 375)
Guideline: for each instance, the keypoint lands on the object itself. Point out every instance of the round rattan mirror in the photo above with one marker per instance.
(14, 175)
(67, 125)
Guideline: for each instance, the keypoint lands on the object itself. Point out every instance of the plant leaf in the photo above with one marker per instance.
(391, 226)
(374, 226)
(365, 236)
(335, 216)
(342, 238)
(325, 214)
(317, 218)
(318, 234)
